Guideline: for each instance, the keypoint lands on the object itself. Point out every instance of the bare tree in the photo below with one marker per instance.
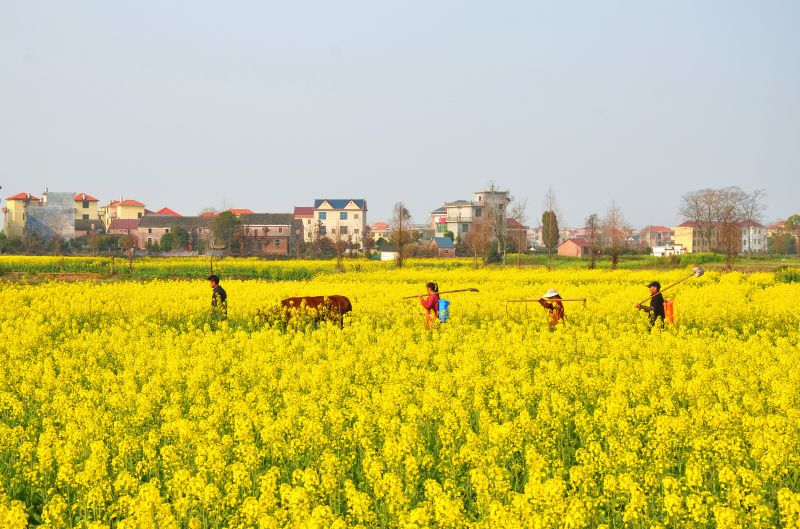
(700, 208)
(615, 230)
(366, 241)
(128, 243)
(593, 237)
(478, 240)
(495, 217)
(550, 235)
(519, 235)
(729, 219)
(401, 231)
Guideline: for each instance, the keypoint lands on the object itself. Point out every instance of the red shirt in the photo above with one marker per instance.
(431, 304)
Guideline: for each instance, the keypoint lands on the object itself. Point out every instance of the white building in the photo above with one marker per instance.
(672, 249)
(458, 216)
(754, 238)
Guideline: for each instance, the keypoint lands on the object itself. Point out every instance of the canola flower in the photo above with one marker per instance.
(122, 405)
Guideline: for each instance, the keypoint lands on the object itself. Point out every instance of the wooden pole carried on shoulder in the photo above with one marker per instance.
(444, 292)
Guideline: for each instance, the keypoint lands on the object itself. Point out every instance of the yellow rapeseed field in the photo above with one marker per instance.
(122, 405)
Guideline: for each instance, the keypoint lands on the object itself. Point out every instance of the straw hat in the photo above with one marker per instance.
(551, 293)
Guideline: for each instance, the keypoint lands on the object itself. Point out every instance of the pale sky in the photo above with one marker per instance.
(268, 105)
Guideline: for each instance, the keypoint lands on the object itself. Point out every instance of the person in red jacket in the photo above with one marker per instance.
(431, 304)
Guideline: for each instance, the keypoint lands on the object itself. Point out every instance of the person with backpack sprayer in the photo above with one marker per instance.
(656, 306)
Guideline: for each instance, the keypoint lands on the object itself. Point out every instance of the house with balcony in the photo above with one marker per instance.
(459, 216)
(341, 218)
(753, 237)
(656, 236)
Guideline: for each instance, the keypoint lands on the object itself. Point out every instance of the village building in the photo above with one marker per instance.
(574, 248)
(443, 246)
(121, 209)
(458, 217)
(305, 216)
(343, 219)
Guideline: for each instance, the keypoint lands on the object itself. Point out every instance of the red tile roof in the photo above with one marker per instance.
(167, 211)
(514, 224)
(303, 211)
(241, 211)
(583, 243)
(656, 228)
(380, 226)
(22, 196)
(208, 214)
(80, 197)
(124, 224)
(126, 203)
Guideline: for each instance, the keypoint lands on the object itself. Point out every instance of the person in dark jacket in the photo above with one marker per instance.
(656, 306)
(219, 299)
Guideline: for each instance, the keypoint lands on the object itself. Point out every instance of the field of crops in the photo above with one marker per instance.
(122, 405)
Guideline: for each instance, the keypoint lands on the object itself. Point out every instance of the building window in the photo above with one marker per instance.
(149, 230)
(167, 230)
(149, 240)
(343, 230)
(308, 221)
(465, 228)
(343, 215)
(277, 242)
(356, 231)
(478, 212)
(85, 204)
(139, 215)
(280, 230)
(323, 230)
(86, 217)
(323, 215)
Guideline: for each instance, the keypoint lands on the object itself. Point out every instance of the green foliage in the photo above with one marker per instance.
(550, 234)
(167, 242)
(789, 274)
(782, 243)
(180, 238)
(224, 227)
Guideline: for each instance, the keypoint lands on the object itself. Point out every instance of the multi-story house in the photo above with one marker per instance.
(85, 207)
(753, 237)
(458, 216)
(380, 230)
(14, 214)
(151, 228)
(653, 236)
(341, 218)
(270, 233)
(52, 215)
(305, 216)
(121, 209)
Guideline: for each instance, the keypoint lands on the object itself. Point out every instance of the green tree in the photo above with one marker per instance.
(167, 242)
(180, 237)
(782, 244)
(224, 228)
(550, 235)
(793, 224)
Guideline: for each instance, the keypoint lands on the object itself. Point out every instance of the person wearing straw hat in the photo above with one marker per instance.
(551, 301)
(656, 307)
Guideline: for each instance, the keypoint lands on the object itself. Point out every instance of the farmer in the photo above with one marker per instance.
(219, 299)
(431, 304)
(551, 301)
(656, 307)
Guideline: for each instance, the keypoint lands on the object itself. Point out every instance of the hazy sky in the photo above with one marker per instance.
(268, 105)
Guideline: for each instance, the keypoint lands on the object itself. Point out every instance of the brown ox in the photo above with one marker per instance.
(332, 308)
